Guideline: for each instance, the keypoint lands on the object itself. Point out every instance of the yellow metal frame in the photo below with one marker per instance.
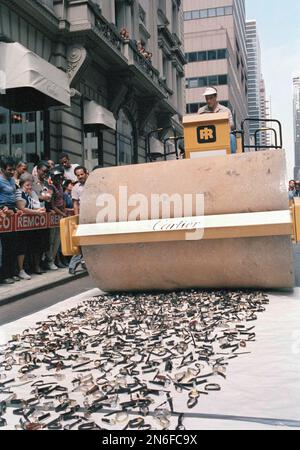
(239, 144)
(231, 226)
(295, 210)
(68, 228)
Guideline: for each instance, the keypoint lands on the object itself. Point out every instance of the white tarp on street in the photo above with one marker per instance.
(262, 385)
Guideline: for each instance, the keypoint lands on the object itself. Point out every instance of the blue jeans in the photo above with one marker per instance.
(233, 144)
(75, 261)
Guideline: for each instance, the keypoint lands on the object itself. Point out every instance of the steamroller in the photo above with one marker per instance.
(209, 220)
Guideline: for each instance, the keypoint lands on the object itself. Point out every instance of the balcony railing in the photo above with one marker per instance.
(145, 66)
(107, 31)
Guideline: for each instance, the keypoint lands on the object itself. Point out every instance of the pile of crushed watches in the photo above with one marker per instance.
(125, 361)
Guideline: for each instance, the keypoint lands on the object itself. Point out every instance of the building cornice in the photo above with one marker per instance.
(36, 13)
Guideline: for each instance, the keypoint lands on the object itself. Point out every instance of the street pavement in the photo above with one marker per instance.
(37, 302)
(38, 283)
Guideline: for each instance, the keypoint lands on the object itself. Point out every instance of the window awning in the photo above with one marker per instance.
(95, 114)
(28, 82)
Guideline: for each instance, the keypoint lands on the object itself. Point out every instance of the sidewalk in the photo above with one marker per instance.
(38, 283)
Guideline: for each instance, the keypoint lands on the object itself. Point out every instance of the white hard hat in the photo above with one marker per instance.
(210, 91)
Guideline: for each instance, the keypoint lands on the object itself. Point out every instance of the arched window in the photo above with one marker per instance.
(125, 140)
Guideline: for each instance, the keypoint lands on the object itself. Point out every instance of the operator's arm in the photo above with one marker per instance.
(231, 122)
(76, 207)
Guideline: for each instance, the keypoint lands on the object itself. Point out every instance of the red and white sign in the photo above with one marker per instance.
(53, 220)
(29, 222)
(6, 224)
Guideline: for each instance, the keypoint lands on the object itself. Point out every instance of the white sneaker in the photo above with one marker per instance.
(24, 276)
(52, 267)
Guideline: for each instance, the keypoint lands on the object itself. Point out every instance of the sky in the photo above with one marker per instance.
(279, 32)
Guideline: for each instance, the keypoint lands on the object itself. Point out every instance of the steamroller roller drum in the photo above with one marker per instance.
(246, 183)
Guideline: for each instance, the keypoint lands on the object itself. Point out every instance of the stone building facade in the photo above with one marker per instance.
(114, 71)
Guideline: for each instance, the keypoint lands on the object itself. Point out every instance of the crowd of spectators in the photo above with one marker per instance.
(139, 45)
(50, 187)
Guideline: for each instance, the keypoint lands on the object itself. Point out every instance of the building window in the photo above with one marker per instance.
(204, 14)
(222, 79)
(222, 53)
(208, 55)
(3, 118)
(195, 15)
(17, 139)
(212, 12)
(213, 80)
(192, 57)
(30, 117)
(125, 140)
(165, 68)
(202, 56)
(120, 14)
(192, 83)
(208, 13)
(30, 137)
(193, 108)
(22, 134)
(228, 11)
(212, 54)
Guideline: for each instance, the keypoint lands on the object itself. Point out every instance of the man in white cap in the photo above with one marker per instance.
(213, 106)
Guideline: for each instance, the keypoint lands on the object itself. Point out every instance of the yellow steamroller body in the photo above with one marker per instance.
(242, 239)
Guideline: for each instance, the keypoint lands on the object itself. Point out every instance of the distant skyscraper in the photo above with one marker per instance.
(264, 113)
(215, 47)
(296, 82)
(254, 77)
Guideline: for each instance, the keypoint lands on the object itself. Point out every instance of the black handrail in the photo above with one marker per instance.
(154, 156)
(261, 130)
(257, 147)
(175, 140)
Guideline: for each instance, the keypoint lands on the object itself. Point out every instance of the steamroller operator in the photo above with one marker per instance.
(213, 106)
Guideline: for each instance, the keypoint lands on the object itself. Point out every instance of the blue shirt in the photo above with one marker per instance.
(68, 200)
(7, 192)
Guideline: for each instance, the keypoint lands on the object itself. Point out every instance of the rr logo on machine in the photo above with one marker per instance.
(206, 134)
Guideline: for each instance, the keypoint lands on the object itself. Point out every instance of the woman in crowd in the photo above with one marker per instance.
(68, 187)
(28, 202)
(21, 169)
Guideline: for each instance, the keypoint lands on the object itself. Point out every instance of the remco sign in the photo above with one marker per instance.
(29, 222)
